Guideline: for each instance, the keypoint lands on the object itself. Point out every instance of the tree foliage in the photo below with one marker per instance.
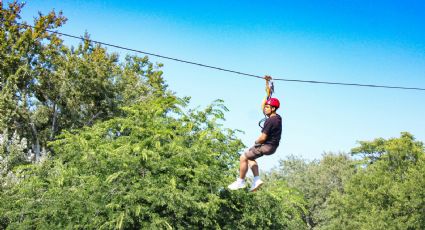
(386, 194)
(383, 188)
(47, 87)
(125, 152)
(316, 180)
(155, 166)
(275, 206)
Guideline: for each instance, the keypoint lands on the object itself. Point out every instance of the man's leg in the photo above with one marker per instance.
(254, 167)
(243, 166)
(252, 153)
(256, 184)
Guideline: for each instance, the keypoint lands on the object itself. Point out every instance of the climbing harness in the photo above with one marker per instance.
(269, 93)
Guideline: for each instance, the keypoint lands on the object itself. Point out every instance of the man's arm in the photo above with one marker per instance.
(261, 139)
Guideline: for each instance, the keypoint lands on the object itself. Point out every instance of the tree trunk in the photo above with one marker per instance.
(36, 144)
(55, 114)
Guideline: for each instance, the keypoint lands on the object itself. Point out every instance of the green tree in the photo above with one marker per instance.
(126, 153)
(386, 193)
(22, 59)
(316, 180)
(47, 87)
(275, 206)
(155, 166)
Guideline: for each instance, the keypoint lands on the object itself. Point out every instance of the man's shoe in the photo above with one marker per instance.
(256, 185)
(237, 185)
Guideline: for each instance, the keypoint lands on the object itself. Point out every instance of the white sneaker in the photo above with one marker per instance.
(256, 185)
(237, 185)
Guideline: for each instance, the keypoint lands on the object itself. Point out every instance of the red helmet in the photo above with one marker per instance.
(273, 102)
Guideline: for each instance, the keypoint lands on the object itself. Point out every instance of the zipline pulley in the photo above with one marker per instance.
(269, 93)
(269, 86)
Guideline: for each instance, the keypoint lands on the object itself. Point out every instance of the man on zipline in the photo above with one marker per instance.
(266, 144)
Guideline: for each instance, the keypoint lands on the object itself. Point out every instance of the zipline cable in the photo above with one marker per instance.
(223, 69)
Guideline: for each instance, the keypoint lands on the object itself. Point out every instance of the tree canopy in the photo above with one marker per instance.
(89, 140)
(120, 149)
(387, 193)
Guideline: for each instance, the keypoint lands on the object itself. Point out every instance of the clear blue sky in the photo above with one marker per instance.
(369, 42)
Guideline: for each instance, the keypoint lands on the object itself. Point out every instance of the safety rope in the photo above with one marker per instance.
(223, 69)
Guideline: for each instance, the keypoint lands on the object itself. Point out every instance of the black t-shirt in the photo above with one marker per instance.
(273, 130)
